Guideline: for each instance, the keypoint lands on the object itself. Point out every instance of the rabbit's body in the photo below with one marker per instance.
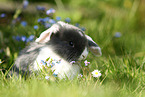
(64, 68)
(61, 41)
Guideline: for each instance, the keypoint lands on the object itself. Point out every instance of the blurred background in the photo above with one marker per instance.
(117, 26)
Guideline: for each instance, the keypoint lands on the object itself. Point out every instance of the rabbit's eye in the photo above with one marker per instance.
(71, 43)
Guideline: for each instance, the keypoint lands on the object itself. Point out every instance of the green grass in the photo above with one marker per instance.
(38, 88)
(122, 64)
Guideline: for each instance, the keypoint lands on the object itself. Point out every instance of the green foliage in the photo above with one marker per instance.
(122, 64)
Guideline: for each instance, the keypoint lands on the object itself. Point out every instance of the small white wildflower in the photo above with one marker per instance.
(96, 73)
(47, 77)
(86, 63)
(80, 76)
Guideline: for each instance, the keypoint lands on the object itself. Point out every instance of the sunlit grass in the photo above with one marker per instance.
(118, 79)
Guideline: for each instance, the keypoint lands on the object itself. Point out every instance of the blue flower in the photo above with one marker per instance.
(1, 50)
(43, 63)
(3, 15)
(46, 19)
(30, 38)
(25, 3)
(83, 28)
(24, 23)
(59, 61)
(47, 25)
(36, 27)
(54, 74)
(77, 24)
(58, 18)
(40, 20)
(68, 20)
(52, 21)
(51, 10)
(53, 63)
(40, 8)
(18, 38)
(24, 38)
(16, 20)
(117, 34)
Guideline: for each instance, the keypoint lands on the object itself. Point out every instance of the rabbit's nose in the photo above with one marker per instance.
(84, 54)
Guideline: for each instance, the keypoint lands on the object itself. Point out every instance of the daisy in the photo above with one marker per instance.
(96, 73)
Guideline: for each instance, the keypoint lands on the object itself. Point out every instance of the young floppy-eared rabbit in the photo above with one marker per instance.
(61, 41)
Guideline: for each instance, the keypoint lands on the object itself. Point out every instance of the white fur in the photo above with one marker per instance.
(81, 34)
(63, 69)
(84, 54)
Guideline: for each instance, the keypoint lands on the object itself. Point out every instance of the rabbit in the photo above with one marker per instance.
(61, 41)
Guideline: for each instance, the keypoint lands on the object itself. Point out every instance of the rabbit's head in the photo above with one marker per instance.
(68, 41)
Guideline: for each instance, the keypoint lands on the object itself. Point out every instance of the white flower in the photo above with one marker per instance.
(96, 73)
(47, 77)
(86, 63)
(80, 76)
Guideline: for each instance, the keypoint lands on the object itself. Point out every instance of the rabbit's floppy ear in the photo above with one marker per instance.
(93, 47)
(46, 35)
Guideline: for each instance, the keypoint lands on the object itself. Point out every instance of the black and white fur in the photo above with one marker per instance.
(61, 41)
